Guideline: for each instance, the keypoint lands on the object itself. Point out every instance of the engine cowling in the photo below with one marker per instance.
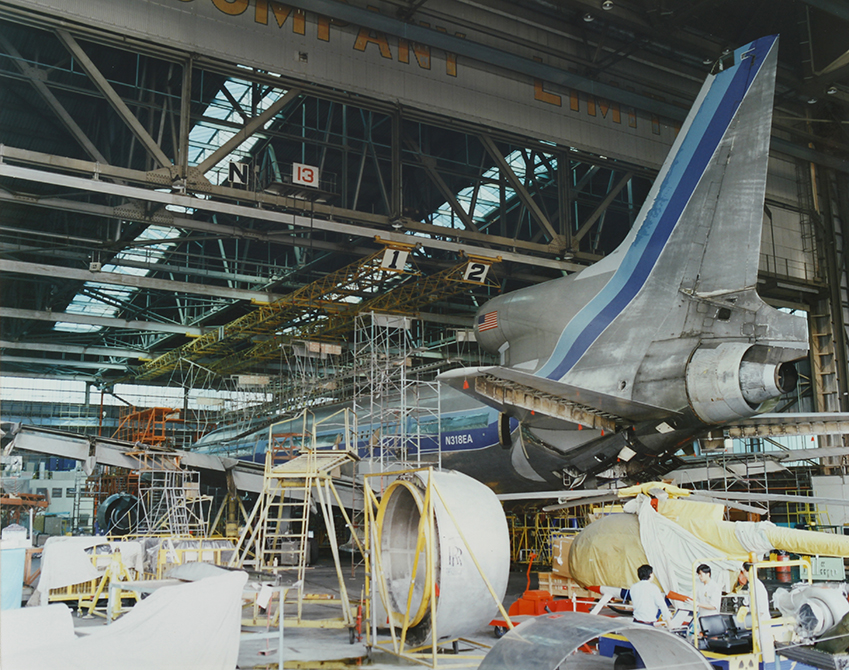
(731, 380)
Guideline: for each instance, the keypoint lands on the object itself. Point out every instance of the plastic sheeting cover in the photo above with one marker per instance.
(186, 627)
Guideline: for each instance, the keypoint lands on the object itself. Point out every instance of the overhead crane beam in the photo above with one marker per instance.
(362, 277)
(403, 299)
(277, 210)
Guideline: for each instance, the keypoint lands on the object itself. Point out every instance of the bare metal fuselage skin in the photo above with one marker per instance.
(666, 337)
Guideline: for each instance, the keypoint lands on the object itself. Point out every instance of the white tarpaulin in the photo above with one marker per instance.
(193, 626)
(672, 550)
(64, 561)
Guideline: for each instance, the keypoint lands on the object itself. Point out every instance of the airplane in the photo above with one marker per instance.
(605, 372)
(665, 339)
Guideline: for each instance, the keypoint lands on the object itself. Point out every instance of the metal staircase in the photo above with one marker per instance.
(276, 538)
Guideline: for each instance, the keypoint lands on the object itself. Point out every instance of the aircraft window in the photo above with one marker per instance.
(723, 314)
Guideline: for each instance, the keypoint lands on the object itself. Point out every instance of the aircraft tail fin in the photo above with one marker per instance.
(699, 229)
(711, 187)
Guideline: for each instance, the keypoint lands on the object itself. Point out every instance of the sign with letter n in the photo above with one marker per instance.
(239, 174)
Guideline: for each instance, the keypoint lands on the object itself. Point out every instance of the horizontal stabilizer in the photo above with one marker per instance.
(510, 390)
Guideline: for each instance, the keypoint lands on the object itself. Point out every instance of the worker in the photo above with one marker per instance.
(761, 596)
(708, 592)
(647, 599)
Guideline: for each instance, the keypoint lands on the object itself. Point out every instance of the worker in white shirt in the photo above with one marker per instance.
(647, 599)
(760, 594)
(708, 592)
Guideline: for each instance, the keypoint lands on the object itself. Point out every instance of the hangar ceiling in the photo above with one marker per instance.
(132, 251)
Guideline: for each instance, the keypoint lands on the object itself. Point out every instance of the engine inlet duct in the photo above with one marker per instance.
(730, 381)
(468, 519)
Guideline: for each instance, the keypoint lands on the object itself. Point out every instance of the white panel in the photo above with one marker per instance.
(478, 92)
(832, 486)
(107, 455)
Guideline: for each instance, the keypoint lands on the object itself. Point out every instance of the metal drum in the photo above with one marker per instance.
(469, 527)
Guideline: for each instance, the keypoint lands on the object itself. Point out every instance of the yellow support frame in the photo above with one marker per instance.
(115, 572)
(310, 472)
(757, 649)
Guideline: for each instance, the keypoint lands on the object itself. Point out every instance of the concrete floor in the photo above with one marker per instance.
(331, 648)
(317, 648)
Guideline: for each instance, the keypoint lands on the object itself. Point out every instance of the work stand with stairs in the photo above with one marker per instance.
(276, 538)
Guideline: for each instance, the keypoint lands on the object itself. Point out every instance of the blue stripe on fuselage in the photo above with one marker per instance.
(704, 135)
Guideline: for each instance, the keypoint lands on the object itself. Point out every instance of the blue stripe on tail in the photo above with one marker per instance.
(707, 129)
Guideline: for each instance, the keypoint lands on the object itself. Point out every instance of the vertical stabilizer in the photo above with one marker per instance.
(699, 229)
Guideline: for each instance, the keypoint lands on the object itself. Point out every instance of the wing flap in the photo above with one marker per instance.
(520, 393)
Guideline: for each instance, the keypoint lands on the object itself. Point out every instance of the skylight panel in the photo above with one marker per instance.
(206, 139)
(90, 306)
(488, 196)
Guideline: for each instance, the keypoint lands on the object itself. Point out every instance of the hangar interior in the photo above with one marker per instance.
(225, 218)
(199, 198)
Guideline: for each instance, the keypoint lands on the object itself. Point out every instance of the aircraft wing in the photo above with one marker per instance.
(106, 451)
(522, 394)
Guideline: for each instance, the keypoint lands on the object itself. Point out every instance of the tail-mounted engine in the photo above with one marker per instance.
(731, 380)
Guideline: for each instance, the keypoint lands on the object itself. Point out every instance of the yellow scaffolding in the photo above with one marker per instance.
(401, 299)
(532, 532)
(276, 538)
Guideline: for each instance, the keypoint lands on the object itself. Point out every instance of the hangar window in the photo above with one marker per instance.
(488, 197)
(453, 423)
(104, 300)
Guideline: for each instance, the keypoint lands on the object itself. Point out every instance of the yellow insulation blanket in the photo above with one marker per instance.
(808, 542)
(704, 520)
(609, 551)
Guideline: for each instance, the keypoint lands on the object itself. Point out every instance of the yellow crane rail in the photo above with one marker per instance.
(403, 299)
(328, 293)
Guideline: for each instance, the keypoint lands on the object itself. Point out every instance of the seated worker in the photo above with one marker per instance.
(647, 599)
(708, 594)
(761, 596)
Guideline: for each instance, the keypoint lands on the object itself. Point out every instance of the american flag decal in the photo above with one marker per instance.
(488, 321)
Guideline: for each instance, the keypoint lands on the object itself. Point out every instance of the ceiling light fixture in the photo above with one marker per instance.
(832, 90)
(607, 5)
(589, 17)
(812, 101)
